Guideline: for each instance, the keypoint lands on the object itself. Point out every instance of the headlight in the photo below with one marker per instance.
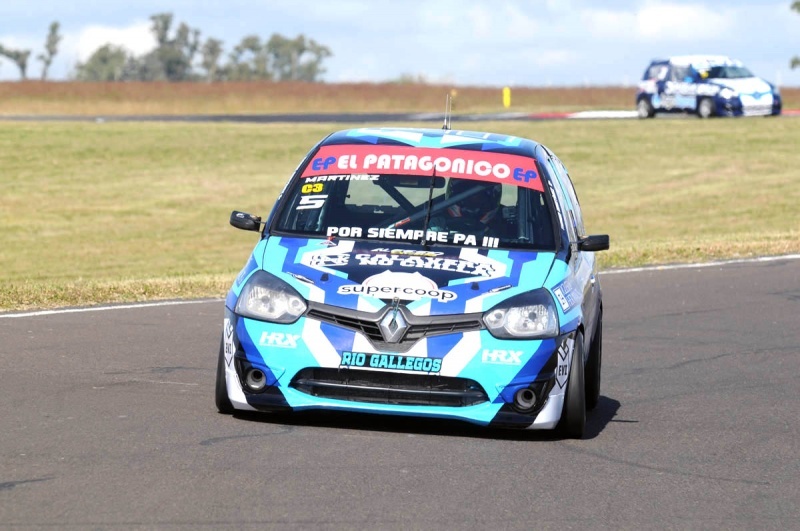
(267, 298)
(728, 93)
(526, 316)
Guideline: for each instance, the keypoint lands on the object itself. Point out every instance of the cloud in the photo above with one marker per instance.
(546, 58)
(657, 21)
(607, 24)
(681, 22)
(502, 22)
(20, 43)
(137, 39)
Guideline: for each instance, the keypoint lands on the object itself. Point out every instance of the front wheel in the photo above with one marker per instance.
(573, 416)
(221, 389)
(644, 108)
(594, 366)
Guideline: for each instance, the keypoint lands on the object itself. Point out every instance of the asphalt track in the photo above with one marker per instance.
(107, 422)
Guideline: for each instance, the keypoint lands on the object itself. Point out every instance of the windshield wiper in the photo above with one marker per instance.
(428, 210)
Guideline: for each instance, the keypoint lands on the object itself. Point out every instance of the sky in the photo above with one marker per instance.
(490, 43)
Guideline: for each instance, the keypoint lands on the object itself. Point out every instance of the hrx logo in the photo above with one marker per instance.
(503, 357)
(278, 339)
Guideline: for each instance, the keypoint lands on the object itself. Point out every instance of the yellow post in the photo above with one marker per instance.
(506, 97)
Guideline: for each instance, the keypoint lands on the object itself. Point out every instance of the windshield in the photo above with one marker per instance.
(408, 207)
(729, 72)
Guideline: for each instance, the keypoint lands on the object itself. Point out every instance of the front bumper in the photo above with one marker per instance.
(747, 105)
(478, 381)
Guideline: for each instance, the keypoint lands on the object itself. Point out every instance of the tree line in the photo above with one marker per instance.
(181, 55)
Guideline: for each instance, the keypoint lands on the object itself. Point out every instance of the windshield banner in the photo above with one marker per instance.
(476, 165)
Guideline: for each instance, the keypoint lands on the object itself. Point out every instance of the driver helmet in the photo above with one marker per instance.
(481, 205)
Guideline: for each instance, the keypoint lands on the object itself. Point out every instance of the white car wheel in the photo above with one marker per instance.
(645, 109)
(705, 109)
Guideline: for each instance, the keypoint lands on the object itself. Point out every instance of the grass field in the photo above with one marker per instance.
(101, 212)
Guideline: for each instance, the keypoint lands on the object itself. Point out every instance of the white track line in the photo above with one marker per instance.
(605, 272)
(594, 115)
(105, 308)
(702, 264)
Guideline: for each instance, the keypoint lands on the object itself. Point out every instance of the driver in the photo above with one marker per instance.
(475, 210)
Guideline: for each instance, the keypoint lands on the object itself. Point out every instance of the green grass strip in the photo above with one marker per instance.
(116, 212)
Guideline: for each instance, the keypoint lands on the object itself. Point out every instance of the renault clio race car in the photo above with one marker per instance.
(419, 272)
(706, 85)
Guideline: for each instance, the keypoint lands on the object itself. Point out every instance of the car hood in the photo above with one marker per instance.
(745, 85)
(368, 275)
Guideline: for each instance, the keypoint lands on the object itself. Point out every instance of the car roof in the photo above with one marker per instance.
(435, 138)
(701, 62)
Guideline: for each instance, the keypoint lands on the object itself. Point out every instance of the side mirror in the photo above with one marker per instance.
(245, 221)
(595, 242)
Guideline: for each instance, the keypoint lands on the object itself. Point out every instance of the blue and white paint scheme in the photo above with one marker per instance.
(441, 323)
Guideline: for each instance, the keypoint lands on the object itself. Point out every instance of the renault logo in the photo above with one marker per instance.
(393, 325)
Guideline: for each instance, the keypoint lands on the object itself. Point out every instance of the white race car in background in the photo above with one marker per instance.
(707, 85)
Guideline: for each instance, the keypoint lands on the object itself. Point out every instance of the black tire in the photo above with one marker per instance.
(221, 389)
(573, 416)
(644, 108)
(594, 366)
(705, 108)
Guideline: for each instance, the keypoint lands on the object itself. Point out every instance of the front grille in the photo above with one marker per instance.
(416, 332)
(756, 110)
(389, 388)
(418, 327)
(367, 326)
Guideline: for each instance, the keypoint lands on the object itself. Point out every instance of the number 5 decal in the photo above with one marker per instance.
(311, 201)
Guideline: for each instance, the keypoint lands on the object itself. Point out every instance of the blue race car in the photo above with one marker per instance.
(420, 272)
(706, 85)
